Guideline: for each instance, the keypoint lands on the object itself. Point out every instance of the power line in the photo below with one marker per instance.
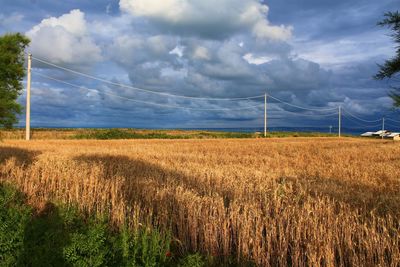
(142, 89)
(172, 95)
(359, 123)
(377, 126)
(391, 125)
(171, 106)
(358, 118)
(145, 102)
(292, 105)
(389, 119)
(197, 98)
(305, 114)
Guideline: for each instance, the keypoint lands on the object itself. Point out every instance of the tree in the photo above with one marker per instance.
(12, 72)
(391, 68)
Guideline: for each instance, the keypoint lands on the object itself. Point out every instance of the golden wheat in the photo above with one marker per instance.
(278, 202)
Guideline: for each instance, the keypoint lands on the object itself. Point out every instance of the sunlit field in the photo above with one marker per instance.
(274, 202)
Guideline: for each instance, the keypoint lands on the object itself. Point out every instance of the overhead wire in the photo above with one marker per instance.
(377, 126)
(195, 98)
(389, 119)
(359, 123)
(305, 114)
(145, 102)
(172, 106)
(300, 107)
(173, 95)
(391, 125)
(358, 118)
(142, 89)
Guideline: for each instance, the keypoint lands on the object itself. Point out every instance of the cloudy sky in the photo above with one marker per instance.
(308, 53)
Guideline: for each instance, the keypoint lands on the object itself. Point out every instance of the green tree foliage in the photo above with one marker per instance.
(391, 68)
(12, 48)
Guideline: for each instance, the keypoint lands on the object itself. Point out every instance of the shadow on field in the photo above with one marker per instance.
(137, 171)
(153, 188)
(382, 199)
(158, 193)
(138, 174)
(22, 156)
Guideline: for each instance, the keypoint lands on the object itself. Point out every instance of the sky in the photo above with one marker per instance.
(158, 63)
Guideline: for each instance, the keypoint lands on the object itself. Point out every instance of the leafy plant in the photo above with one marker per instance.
(194, 260)
(12, 48)
(391, 68)
(145, 248)
(44, 237)
(14, 217)
(59, 236)
(91, 247)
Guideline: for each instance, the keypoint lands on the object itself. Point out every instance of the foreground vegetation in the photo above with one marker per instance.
(275, 202)
(110, 134)
(53, 235)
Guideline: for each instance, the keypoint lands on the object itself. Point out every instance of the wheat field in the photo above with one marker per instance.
(276, 202)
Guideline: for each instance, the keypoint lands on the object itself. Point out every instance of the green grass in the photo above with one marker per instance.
(60, 236)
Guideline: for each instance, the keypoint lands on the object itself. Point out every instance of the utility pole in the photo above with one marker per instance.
(265, 115)
(28, 100)
(340, 121)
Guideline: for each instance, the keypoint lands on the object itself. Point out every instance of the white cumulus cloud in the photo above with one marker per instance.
(64, 40)
(208, 18)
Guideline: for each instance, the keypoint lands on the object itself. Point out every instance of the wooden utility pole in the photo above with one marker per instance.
(28, 100)
(265, 115)
(340, 121)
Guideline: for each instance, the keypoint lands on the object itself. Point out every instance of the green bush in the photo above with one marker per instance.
(91, 246)
(157, 134)
(106, 134)
(14, 218)
(123, 134)
(44, 237)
